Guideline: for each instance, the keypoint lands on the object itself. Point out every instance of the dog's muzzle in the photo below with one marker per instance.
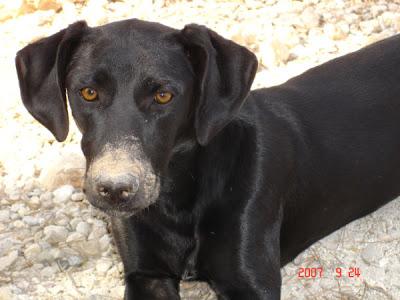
(121, 182)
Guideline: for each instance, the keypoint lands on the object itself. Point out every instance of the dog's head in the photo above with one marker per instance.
(137, 91)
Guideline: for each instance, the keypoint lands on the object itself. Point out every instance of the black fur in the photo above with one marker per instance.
(244, 187)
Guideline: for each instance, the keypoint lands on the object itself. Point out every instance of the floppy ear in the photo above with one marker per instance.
(41, 70)
(225, 72)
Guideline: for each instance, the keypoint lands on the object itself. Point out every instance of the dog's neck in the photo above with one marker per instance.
(185, 181)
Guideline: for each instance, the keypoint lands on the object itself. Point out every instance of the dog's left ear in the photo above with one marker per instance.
(41, 68)
(225, 72)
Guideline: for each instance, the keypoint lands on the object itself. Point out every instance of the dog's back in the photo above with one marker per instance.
(345, 116)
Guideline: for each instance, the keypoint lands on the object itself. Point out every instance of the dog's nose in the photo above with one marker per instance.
(118, 188)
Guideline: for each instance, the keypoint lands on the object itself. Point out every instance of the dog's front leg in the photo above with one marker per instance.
(148, 275)
(244, 264)
(143, 288)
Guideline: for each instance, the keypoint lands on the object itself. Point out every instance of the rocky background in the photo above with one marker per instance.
(53, 245)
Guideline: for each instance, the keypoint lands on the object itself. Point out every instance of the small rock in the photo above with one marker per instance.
(5, 293)
(32, 252)
(75, 261)
(372, 253)
(34, 202)
(8, 260)
(56, 253)
(97, 232)
(32, 221)
(75, 236)
(49, 5)
(103, 265)
(48, 271)
(55, 234)
(105, 242)
(6, 244)
(67, 167)
(74, 222)
(16, 207)
(63, 194)
(83, 228)
(77, 197)
(88, 248)
(18, 224)
(273, 53)
(370, 26)
(63, 263)
(4, 216)
(47, 196)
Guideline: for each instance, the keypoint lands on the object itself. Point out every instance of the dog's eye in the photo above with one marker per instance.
(163, 97)
(89, 94)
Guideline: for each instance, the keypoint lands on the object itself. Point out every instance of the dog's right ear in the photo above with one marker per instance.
(41, 72)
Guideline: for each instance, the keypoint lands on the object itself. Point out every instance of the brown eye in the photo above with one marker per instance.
(163, 97)
(89, 94)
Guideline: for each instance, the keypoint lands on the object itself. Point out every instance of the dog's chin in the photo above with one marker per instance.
(115, 213)
(121, 210)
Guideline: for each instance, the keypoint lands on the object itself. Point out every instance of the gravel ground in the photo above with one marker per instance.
(54, 245)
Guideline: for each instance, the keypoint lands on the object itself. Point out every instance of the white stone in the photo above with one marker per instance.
(32, 252)
(63, 193)
(74, 222)
(105, 242)
(18, 224)
(6, 244)
(34, 202)
(5, 293)
(372, 253)
(97, 232)
(77, 197)
(75, 261)
(4, 215)
(47, 196)
(83, 228)
(32, 221)
(75, 236)
(88, 248)
(8, 260)
(48, 272)
(55, 234)
(103, 265)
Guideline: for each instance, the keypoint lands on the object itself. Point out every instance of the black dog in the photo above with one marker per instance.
(199, 183)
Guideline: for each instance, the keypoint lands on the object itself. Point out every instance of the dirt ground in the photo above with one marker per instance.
(54, 245)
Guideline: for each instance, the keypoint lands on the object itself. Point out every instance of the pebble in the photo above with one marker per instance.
(63, 193)
(34, 202)
(8, 260)
(55, 234)
(75, 261)
(371, 253)
(89, 248)
(103, 265)
(4, 216)
(18, 224)
(75, 236)
(48, 272)
(32, 252)
(74, 222)
(77, 197)
(6, 244)
(105, 242)
(32, 221)
(83, 228)
(97, 232)
(5, 293)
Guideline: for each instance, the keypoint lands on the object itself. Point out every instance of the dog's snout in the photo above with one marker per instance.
(117, 188)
